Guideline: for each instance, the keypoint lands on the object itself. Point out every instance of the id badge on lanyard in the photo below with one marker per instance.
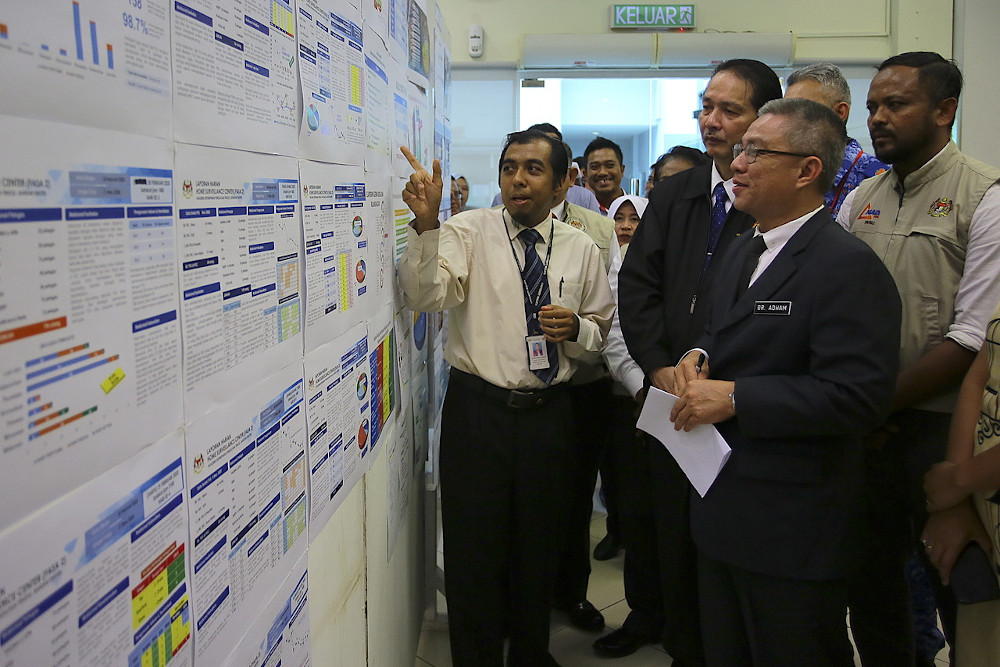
(538, 352)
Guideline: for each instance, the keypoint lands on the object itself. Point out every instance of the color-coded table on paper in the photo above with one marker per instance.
(159, 581)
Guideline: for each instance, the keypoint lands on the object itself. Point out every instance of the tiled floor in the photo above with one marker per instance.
(569, 646)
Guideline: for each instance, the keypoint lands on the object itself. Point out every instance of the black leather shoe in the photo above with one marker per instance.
(607, 548)
(620, 643)
(583, 616)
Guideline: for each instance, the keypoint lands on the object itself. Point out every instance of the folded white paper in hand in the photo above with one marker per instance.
(700, 452)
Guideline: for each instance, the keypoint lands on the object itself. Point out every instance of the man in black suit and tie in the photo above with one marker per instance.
(664, 287)
(802, 341)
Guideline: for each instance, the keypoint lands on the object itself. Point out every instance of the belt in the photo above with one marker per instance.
(519, 399)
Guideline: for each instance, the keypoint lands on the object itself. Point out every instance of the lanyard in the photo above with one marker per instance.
(520, 271)
(843, 180)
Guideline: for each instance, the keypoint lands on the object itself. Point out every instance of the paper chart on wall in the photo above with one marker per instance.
(280, 633)
(375, 14)
(234, 74)
(399, 473)
(384, 384)
(90, 342)
(402, 133)
(336, 228)
(442, 64)
(419, 397)
(338, 387)
(246, 466)
(332, 74)
(239, 249)
(404, 366)
(101, 577)
(421, 125)
(398, 29)
(418, 44)
(378, 132)
(112, 59)
(442, 153)
(401, 217)
(381, 265)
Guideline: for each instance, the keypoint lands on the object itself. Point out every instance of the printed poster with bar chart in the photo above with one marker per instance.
(90, 346)
(110, 57)
(100, 577)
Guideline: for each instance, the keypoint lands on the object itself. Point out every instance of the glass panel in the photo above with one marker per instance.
(646, 117)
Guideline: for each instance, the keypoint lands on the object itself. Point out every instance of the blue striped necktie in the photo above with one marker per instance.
(537, 285)
(718, 220)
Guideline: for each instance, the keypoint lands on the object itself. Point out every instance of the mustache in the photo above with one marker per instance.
(882, 134)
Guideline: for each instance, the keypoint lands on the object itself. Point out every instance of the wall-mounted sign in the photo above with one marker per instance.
(652, 17)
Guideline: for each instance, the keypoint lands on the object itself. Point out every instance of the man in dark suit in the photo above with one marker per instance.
(664, 285)
(804, 361)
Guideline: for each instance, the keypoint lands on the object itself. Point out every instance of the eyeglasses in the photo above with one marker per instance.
(752, 152)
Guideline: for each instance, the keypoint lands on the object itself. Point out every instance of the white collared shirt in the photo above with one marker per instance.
(776, 239)
(728, 185)
(467, 267)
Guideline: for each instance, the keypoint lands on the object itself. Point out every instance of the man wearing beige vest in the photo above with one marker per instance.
(934, 219)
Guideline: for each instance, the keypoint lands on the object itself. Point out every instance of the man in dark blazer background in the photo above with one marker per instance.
(803, 363)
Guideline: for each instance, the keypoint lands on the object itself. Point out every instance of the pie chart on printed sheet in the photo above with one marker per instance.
(419, 330)
(363, 435)
(312, 117)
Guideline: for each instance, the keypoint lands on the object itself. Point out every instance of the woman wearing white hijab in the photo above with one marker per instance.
(626, 211)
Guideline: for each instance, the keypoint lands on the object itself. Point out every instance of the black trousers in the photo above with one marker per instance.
(591, 403)
(896, 510)
(751, 619)
(677, 557)
(504, 478)
(631, 484)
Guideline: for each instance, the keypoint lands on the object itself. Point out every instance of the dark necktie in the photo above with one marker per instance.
(718, 220)
(755, 249)
(537, 295)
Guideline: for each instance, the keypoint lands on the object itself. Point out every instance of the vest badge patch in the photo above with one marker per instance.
(870, 215)
(578, 224)
(940, 208)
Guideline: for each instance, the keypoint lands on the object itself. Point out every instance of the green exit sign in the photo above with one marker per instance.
(652, 17)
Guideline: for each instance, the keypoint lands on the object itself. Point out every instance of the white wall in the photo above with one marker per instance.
(844, 31)
(976, 51)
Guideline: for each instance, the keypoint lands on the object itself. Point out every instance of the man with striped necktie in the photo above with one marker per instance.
(528, 301)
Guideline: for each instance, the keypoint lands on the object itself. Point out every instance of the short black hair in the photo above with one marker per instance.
(558, 159)
(597, 144)
(692, 156)
(940, 78)
(548, 128)
(764, 83)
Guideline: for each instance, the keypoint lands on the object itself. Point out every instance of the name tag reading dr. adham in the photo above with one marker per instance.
(772, 307)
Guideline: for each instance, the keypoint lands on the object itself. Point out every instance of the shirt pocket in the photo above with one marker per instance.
(567, 294)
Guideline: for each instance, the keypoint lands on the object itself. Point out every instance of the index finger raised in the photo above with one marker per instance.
(412, 159)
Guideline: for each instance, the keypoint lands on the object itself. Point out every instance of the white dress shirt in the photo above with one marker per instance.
(623, 368)
(467, 267)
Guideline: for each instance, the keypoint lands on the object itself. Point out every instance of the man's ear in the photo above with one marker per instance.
(812, 168)
(558, 182)
(574, 173)
(843, 110)
(944, 114)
